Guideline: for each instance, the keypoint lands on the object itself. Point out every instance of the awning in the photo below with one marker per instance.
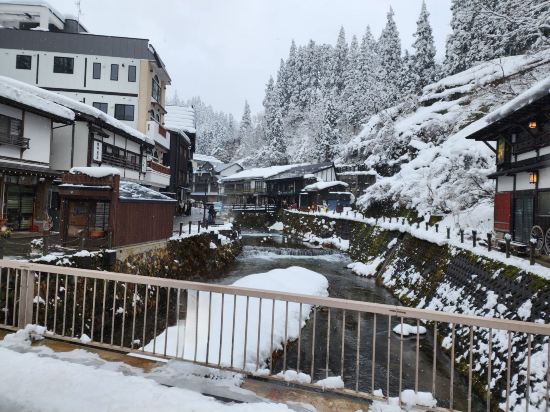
(28, 169)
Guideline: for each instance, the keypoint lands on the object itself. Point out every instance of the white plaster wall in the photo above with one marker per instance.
(60, 154)
(38, 129)
(527, 155)
(505, 183)
(544, 178)
(11, 111)
(522, 182)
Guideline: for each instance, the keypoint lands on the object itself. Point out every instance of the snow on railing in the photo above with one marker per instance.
(353, 347)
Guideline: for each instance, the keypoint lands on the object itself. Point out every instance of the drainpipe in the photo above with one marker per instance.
(72, 146)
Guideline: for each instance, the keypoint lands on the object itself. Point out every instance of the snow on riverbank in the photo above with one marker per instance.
(181, 338)
(439, 238)
(85, 388)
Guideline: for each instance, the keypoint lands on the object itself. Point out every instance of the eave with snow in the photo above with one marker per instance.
(520, 130)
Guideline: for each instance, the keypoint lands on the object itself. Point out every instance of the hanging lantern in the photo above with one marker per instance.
(533, 177)
(532, 124)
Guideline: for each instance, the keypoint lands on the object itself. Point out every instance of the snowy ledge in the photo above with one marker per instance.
(440, 239)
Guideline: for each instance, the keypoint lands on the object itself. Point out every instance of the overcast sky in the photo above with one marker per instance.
(225, 50)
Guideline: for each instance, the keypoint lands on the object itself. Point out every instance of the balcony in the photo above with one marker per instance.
(119, 161)
(18, 141)
(157, 174)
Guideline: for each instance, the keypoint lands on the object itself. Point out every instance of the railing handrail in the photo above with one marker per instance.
(329, 302)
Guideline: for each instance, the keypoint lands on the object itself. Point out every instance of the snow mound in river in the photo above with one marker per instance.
(182, 337)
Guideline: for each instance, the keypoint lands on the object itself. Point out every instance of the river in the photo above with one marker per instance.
(265, 251)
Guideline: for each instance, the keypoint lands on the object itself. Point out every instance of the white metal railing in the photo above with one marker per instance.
(224, 326)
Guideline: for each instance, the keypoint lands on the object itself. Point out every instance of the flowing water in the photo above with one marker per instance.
(263, 252)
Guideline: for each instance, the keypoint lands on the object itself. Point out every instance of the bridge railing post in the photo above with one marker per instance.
(26, 297)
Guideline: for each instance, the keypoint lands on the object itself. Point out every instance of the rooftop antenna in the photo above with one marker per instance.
(78, 12)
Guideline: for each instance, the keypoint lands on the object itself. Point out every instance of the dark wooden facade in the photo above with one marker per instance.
(521, 131)
(92, 209)
(182, 148)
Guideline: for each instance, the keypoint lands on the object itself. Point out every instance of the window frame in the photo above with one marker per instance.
(63, 68)
(114, 71)
(132, 69)
(27, 59)
(98, 65)
(126, 116)
(155, 88)
(99, 105)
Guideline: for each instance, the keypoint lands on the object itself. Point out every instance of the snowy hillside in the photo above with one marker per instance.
(422, 163)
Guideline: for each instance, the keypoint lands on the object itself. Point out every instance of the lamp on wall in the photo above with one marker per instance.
(532, 124)
(533, 177)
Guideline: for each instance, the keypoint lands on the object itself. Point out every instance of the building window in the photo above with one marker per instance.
(96, 72)
(155, 92)
(101, 106)
(114, 71)
(63, 65)
(124, 112)
(131, 73)
(503, 154)
(23, 62)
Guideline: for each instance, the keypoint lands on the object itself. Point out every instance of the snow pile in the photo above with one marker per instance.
(419, 148)
(135, 191)
(314, 187)
(10, 90)
(105, 389)
(406, 330)
(366, 269)
(332, 382)
(409, 399)
(277, 226)
(181, 338)
(95, 171)
(332, 242)
(206, 158)
(293, 376)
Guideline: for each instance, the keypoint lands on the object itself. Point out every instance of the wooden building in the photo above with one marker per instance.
(356, 177)
(332, 194)
(104, 211)
(285, 187)
(520, 131)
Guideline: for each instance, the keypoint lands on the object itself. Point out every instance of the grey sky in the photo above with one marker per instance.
(225, 50)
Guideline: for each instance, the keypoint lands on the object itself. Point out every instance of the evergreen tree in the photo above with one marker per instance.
(369, 76)
(389, 50)
(327, 140)
(352, 98)
(339, 63)
(274, 133)
(423, 61)
(409, 80)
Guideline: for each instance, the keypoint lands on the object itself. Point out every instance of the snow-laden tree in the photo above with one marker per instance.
(352, 99)
(339, 62)
(274, 133)
(409, 82)
(369, 76)
(423, 60)
(389, 50)
(327, 139)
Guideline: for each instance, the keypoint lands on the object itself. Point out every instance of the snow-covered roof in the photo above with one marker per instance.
(206, 158)
(96, 171)
(180, 119)
(358, 173)
(314, 187)
(76, 106)
(135, 191)
(10, 90)
(534, 93)
(257, 173)
(301, 170)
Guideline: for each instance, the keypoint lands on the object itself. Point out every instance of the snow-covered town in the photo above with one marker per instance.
(274, 206)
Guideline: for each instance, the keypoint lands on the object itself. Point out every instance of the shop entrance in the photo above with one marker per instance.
(20, 206)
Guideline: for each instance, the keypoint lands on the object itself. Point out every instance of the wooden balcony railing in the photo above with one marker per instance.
(12, 140)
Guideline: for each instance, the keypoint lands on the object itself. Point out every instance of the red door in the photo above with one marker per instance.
(503, 206)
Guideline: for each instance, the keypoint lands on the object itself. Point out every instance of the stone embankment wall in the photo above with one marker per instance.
(201, 256)
(425, 275)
